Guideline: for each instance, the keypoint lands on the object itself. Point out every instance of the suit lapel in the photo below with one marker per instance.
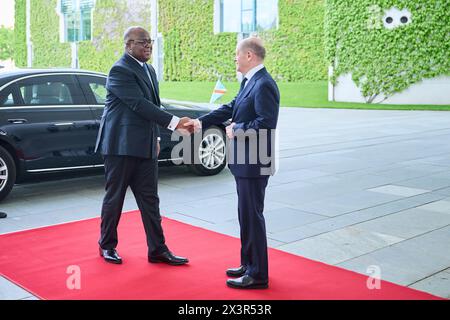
(134, 65)
(138, 69)
(248, 88)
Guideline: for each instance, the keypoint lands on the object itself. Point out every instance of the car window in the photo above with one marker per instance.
(6, 99)
(94, 88)
(99, 91)
(9, 96)
(46, 93)
(50, 90)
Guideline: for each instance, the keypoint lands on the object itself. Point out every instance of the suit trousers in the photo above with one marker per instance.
(251, 192)
(141, 175)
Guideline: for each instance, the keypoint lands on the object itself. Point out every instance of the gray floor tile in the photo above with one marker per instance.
(398, 190)
(407, 224)
(10, 291)
(442, 206)
(438, 284)
(410, 261)
(444, 191)
(340, 245)
(287, 218)
(430, 182)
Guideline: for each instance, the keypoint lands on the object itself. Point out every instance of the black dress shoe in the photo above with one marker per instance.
(236, 272)
(110, 256)
(169, 258)
(247, 282)
(3, 215)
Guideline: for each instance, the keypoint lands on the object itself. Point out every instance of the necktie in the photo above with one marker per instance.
(242, 84)
(151, 82)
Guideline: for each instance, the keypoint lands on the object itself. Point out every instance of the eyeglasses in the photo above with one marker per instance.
(143, 43)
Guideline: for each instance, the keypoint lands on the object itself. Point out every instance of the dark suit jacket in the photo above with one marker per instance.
(129, 124)
(255, 108)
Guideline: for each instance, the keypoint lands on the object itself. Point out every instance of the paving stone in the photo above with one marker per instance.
(409, 261)
(438, 206)
(408, 223)
(398, 190)
(9, 291)
(437, 284)
(287, 218)
(340, 245)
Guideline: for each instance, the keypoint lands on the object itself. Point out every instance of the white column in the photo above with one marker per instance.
(154, 34)
(28, 34)
(330, 85)
(74, 62)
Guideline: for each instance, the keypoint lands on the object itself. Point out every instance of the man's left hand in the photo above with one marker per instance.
(229, 130)
(158, 149)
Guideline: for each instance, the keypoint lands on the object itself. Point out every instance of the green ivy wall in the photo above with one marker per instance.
(384, 61)
(20, 46)
(191, 50)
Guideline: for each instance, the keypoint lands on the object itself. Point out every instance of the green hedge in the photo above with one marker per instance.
(192, 52)
(20, 44)
(48, 51)
(110, 19)
(384, 61)
(296, 49)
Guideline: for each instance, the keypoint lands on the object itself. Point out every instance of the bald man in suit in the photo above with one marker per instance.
(254, 115)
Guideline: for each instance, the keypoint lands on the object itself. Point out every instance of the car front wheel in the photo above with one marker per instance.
(210, 154)
(7, 173)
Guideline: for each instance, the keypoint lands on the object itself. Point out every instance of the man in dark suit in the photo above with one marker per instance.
(128, 139)
(254, 115)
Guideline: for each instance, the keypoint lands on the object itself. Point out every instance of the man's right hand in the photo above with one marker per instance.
(182, 128)
(193, 125)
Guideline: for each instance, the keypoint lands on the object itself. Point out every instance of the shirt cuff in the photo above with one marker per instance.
(158, 138)
(173, 123)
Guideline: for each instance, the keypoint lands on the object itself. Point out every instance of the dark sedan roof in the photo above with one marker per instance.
(11, 74)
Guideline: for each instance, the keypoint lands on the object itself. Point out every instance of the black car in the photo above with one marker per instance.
(49, 121)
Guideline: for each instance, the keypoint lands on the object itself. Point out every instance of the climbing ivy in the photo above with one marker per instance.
(192, 52)
(295, 51)
(20, 44)
(384, 61)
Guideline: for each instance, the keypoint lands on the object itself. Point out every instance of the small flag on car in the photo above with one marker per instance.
(219, 90)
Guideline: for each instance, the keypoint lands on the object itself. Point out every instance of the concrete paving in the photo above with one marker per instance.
(355, 189)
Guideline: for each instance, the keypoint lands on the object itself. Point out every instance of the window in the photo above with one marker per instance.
(7, 98)
(267, 15)
(245, 16)
(94, 88)
(49, 93)
(49, 90)
(99, 91)
(248, 16)
(75, 20)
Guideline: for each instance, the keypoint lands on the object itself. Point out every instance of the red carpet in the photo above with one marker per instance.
(38, 260)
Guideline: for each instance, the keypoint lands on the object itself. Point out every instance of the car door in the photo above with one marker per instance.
(52, 124)
(94, 89)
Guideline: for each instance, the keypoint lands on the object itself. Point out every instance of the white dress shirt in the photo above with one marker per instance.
(250, 73)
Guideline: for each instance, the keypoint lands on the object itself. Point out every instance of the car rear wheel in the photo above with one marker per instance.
(7, 173)
(210, 154)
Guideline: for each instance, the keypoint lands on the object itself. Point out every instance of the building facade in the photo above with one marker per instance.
(197, 38)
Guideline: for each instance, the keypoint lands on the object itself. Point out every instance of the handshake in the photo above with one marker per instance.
(187, 126)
